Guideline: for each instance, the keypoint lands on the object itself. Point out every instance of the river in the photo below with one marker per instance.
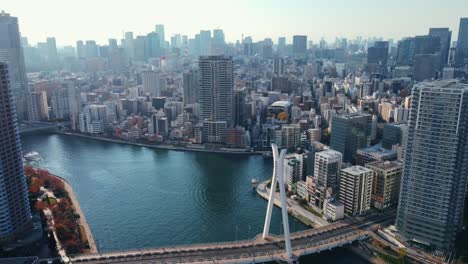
(137, 197)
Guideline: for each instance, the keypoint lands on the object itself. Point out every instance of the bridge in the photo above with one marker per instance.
(249, 251)
(264, 247)
(33, 126)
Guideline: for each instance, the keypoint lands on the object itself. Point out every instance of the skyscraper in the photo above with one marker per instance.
(80, 49)
(445, 36)
(378, 54)
(191, 85)
(350, 132)
(281, 45)
(150, 81)
(216, 92)
(205, 42)
(278, 66)
(52, 55)
(435, 168)
(129, 44)
(159, 29)
(299, 44)
(11, 53)
(461, 55)
(15, 213)
(91, 49)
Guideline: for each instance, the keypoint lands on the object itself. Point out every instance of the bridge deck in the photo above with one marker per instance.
(255, 250)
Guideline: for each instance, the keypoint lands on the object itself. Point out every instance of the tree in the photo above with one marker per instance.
(40, 206)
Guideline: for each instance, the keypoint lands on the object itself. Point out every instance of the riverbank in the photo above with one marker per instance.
(82, 221)
(294, 209)
(55, 197)
(166, 147)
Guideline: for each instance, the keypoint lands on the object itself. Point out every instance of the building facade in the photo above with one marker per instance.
(435, 168)
(15, 213)
(386, 183)
(11, 52)
(216, 95)
(350, 132)
(356, 189)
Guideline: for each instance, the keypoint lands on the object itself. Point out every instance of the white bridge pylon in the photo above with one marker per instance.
(278, 178)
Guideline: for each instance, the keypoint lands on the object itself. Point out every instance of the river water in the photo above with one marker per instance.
(137, 197)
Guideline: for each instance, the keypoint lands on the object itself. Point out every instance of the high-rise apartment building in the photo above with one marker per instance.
(60, 104)
(292, 166)
(38, 107)
(11, 52)
(278, 66)
(327, 168)
(191, 87)
(435, 168)
(240, 113)
(150, 80)
(386, 183)
(15, 213)
(216, 88)
(461, 54)
(93, 119)
(356, 189)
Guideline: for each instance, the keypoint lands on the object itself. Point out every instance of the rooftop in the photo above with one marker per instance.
(384, 165)
(376, 150)
(356, 170)
(281, 104)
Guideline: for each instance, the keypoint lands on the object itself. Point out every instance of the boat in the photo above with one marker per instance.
(254, 183)
(32, 156)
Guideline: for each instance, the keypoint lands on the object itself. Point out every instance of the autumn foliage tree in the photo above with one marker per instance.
(63, 213)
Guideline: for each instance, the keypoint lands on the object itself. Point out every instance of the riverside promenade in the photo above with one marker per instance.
(195, 148)
(82, 221)
(294, 208)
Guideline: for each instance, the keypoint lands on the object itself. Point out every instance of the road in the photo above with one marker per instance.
(256, 250)
(293, 207)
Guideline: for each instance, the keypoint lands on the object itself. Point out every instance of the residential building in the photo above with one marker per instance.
(435, 171)
(216, 89)
(191, 87)
(11, 52)
(327, 168)
(293, 164)
(333, 210)
(356, 189)
(386, 183)
(15, 213)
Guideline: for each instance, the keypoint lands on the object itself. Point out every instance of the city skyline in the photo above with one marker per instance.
(364, 137)
(259, 19)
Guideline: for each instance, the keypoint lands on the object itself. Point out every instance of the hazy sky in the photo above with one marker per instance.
(70, 20)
